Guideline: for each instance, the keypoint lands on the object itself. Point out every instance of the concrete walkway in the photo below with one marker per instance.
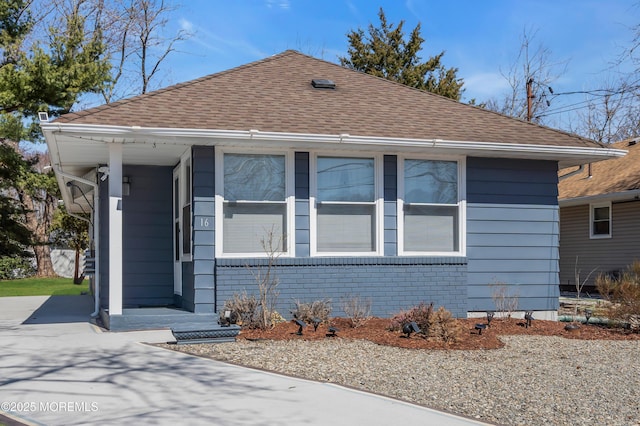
(58, 369)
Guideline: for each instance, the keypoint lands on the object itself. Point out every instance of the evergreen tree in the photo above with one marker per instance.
(385, 53)
(14, 236)
(35, 77)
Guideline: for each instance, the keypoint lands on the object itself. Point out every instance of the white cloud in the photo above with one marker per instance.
(281, 4)
(213, 42)
(186, 25)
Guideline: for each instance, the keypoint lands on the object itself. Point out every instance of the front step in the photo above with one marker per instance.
(216, 334)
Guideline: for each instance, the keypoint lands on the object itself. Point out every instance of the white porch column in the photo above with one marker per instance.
(115, 229)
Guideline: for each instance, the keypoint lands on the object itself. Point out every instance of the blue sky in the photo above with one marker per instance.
(480, 38)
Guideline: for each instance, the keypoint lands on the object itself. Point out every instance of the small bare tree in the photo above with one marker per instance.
(266, 278)
(138, 43)
(357, 309)
(577, 280)
(506, 303)
(610, 114)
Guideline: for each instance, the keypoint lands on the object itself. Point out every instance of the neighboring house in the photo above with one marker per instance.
(371, 189)
(600, 218)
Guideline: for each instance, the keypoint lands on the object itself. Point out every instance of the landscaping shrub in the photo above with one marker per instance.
(357, 310)
(624, 295)
(506, 303)
(444, 327)
(437, 324)
(420, 314)
(244, 310)
(12, 268)
(307, 312)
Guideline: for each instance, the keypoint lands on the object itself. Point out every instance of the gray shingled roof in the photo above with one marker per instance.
(276, 95)
(607, 177)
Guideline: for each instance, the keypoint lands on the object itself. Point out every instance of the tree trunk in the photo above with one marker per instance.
(43, 261)
(77, 279)
(38, 220)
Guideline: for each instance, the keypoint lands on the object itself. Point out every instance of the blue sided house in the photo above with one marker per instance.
(366, 187)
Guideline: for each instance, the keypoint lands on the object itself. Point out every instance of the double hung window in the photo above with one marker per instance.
(254, 206)
(346, 207)
(430, 207)
(601, 220)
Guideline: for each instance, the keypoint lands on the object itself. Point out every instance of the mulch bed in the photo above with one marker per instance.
(377, 330)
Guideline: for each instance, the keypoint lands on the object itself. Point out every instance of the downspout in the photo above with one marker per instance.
(575, 172)
(95, 236)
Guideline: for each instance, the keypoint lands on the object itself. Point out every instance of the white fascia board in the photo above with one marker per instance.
(613, 197)
(134, 134)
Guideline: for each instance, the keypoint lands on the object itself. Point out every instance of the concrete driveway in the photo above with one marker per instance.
(58, 369)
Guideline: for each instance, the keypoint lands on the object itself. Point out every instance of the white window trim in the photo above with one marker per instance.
(592, 207)
(462, 207)
(185, 161)
(289, 200)
(378, 203)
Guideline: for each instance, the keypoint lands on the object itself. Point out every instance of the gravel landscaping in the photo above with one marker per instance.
(532, 380)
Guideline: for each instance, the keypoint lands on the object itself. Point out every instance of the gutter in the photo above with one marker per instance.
(617, 196)
(95, 234)
(173, 136)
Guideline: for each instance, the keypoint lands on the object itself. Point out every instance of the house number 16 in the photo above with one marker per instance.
(205, 223)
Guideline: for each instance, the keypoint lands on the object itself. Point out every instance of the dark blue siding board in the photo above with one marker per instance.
(513, 240)
(203, 158)
(203, 252)
(204, 208)
(147, 258)
(390, 177)
(515, 252)
(524, 257)
(201, 280)
(512, 232)
(148, 237)
(205, 293)
(302, 175)
(522, 291)
(137, 244)
(153, 268)
(187, 287)
(497, 227)
(512, 181)
(203, 237)
(302, 221)
(524, 304)
(390, 205)
(518, 170)
(391, 283)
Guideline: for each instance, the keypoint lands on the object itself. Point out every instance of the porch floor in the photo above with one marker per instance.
(159, 318)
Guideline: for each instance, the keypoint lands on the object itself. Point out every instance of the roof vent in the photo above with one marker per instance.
(323, 83)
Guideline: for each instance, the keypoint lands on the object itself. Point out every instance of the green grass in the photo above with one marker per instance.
(42, 287)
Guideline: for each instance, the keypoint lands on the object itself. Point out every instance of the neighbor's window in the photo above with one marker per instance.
(601, 220)
(254, 205)
(430, 206)
(346, 205)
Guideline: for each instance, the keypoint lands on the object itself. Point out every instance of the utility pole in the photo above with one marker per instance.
(529, 98)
